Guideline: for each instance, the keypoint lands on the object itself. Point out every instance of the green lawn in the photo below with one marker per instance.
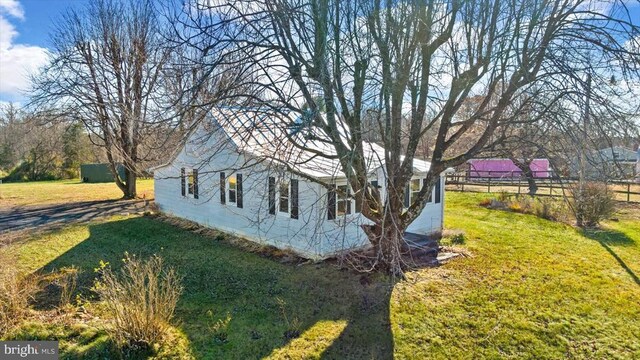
(530, 289)
(64, 191)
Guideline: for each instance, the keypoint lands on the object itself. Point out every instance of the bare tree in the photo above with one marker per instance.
(107, 70)
(413, 64)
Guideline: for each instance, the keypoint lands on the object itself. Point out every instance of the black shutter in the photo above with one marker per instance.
(195, 183)
(183, 182)
(223, 188)
(438, 191)
(331, 202)
(239, 190)
(294, 198)
(406, 196)
(272, 195)
(348, 200)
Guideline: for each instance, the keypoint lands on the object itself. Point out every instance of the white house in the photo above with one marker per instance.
(237, 173)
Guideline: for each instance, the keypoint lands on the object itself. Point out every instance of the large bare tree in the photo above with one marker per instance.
(107, 69)
(348, 65)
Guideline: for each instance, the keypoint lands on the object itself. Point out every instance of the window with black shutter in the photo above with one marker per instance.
(438, 191)
(183, 182)
(331, 202)
(272, 195)
(239, 190)
(294, 199)
(223, 188)
(195, 183)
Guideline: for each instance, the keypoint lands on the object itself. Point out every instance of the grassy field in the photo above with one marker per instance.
(64, 191)
(530, 288)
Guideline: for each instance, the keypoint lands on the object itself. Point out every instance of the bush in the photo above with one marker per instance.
(591, 203)
(16, 291)
(141, 298)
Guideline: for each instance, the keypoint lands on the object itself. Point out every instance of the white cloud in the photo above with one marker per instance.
(17, 61)
(12, 7)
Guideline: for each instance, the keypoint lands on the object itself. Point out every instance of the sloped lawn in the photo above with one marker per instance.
(530, 289)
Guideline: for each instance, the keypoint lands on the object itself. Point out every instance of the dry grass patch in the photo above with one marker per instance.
(140, 299)
(16, 292)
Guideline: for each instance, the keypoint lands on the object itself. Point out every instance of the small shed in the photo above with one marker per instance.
(98, 173)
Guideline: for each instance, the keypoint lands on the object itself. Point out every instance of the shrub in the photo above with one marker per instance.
(591, 202)
(141, 298)
(16, 291)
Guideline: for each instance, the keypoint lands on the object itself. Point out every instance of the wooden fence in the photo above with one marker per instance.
(625, 190)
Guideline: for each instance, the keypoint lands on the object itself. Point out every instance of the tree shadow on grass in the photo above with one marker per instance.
(275, 309)
(606, 238)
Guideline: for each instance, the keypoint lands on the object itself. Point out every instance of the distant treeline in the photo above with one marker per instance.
(36, 148)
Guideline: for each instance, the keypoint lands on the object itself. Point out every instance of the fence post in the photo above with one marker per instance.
(550, 187)
(519, 185)
(489, 185)
(628, 192)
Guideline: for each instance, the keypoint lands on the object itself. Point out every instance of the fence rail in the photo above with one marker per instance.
(625, 190)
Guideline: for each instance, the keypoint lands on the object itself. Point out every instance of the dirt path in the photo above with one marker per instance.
(40, 216)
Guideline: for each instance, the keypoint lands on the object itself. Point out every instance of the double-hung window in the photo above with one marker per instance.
(189, 182)
(283, 197)
(340, 201)
(231, 189)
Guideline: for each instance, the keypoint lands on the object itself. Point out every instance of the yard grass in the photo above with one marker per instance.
(530, 289)
(64, 191)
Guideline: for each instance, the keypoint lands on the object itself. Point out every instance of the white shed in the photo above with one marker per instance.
(237, 174)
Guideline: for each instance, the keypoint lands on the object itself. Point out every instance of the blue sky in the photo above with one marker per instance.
(24, 39)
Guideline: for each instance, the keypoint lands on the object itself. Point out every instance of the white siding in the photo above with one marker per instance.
(311, 235)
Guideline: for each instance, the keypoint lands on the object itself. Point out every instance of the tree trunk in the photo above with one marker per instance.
(533, 187)
(525, 167)
(387, 238)
(130, 184)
